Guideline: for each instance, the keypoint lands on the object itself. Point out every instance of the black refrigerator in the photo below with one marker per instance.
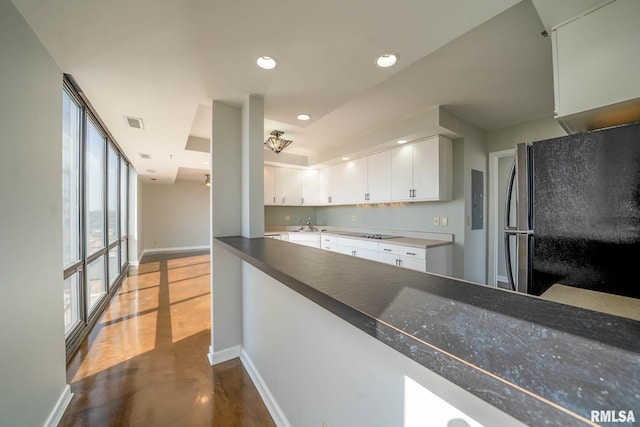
(577, 213)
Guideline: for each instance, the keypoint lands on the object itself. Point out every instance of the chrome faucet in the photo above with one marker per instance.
(309, 226)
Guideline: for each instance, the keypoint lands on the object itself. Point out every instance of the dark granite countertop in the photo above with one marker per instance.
(544, 363)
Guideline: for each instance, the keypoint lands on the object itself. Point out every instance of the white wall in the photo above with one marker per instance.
(320, 369)
(507, 138)
(32, 359)
(175, 216)
(226, 220)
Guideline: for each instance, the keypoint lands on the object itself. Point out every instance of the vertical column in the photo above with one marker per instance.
(252, 167)
(226, 210)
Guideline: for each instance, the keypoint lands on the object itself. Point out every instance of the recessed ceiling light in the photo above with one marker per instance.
(402, 141)
(345, 158)
(266, 62)
(387, 59)
(303, 117)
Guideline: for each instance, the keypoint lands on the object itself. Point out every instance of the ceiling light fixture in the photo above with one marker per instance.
(207, 180)
(303, 117)
(275, 143)
(387, 59)
(345, 158)
(266, 62)
(402, 141)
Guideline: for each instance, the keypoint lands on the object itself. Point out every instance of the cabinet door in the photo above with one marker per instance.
(401, 172)
(433, 169)
(288, 186)
(357, 176)
(339, 184)
(269, 185)
(426, 169)
(325, 186)
(311, 187)
(379, 177)
(388, 258)
(366, 254)
(413, 263)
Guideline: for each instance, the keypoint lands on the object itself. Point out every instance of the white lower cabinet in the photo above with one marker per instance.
(358, 248)
(305, 239)
(328, 243)
(403, 256)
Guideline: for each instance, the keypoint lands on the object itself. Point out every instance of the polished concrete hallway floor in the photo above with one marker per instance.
(144, 363)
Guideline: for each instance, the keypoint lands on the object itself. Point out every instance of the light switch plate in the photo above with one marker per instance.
(287, 217)
(436, 220)
(444, 221)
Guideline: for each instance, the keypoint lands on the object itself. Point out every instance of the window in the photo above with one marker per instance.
(71, 114)
(95, 189)
(95, 220)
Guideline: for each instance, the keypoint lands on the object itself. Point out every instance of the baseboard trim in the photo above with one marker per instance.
(223, 355)
(176, 249)
(61, 405)
(270, 402)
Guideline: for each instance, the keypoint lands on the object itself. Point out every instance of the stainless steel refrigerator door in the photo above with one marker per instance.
(518, 233)
(519, 250)
(523, 188)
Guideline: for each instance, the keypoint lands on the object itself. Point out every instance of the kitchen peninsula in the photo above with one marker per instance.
(540, 362)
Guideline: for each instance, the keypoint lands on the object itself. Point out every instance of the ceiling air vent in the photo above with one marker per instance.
(145, 156)
(134, 122)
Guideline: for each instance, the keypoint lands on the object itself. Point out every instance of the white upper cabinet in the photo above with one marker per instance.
(288, 186)
(311, 187)
(269, 185)
(422, 171)
(402, 172)
(282, 186)
(357, 175)
(339, 184)
(596, 64)
(379, 177)
(432, 169)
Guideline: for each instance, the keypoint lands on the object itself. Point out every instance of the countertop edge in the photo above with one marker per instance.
(511, 398)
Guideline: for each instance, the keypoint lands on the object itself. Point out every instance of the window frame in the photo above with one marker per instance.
(89, 315)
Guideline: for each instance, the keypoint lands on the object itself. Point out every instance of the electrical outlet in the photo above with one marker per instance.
(436, 220)
(353, 218)
(444, 221)
(287, 218)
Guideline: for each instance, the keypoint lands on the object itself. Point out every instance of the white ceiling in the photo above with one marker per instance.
(164, 62)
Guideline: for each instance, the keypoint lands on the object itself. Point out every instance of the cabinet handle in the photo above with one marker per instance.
(410, 193)
(329, 199)
(411, 253)
(388, 250)
(399, 263)
(353, 253)
(303, 200)
(283, 200)
(274, 199)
